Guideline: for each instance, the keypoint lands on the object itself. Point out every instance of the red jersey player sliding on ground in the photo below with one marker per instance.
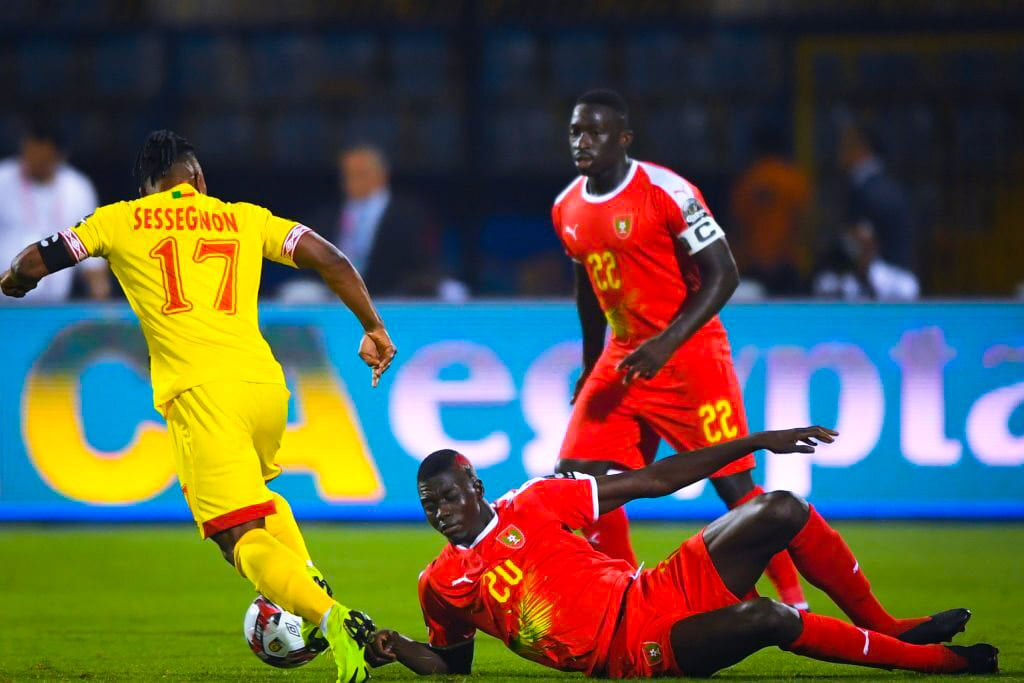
(652, 263)
(516, 571)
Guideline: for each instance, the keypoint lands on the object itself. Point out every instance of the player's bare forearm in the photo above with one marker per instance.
(28, 265)
(592, 321)
(338, 273)
(420, 658)
(678, 471)
(26, 270)
(718, 280)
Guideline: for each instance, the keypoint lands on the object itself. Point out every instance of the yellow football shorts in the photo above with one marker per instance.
(226, 434)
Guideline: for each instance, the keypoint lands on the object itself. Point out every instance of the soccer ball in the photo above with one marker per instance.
(275, 636)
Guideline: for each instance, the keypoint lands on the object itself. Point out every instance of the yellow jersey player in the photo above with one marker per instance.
(190, 265)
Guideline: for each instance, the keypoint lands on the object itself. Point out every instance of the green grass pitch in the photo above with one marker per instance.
(145, 603)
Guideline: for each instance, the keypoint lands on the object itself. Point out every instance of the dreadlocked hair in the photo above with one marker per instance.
(161, 149)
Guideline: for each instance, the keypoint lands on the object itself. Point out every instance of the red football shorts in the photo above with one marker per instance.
(693, 402)
(684, 584)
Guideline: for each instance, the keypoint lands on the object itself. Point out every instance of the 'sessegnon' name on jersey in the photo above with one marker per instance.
(190, 266)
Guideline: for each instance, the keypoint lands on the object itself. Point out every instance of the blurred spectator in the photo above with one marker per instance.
(389, 237)
(769, 205)
(853, 270)
(40, 194)
(874, 196)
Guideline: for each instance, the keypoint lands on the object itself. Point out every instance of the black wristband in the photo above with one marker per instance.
(55, 253)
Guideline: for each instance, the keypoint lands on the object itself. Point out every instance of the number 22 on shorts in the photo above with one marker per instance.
(719, 412)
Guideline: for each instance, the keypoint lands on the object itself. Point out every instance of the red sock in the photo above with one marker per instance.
(781, 571)
(610, 535)
(825, 560)
(833, 640)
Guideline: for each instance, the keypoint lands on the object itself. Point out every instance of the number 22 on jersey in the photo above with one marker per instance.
(175, 301)
(604, 271)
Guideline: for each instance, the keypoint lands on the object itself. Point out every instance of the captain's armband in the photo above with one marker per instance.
(701, 227)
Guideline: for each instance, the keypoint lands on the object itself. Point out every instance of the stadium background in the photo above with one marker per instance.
(469, 99)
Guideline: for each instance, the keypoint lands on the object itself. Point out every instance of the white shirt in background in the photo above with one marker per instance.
(30, 211)
(891, 283)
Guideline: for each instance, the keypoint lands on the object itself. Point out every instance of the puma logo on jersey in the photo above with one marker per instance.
(571, 230)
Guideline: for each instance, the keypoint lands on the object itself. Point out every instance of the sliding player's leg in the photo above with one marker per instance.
(738, 489)
(600, 437)
(699, 404)
(743, 541)
(705, 643)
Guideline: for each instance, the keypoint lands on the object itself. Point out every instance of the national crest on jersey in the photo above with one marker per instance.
(529, 581)
(623, 226)
(652, 653)
(637, 244)
(512, 537)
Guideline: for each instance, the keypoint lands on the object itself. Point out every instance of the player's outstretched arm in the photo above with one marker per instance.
(718, 280)
(33, 263)
(391, 646)
(338, 273)
(592, 322)
(670, 474)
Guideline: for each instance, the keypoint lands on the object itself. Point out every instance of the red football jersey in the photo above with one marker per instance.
(636, 243)
(529, 581)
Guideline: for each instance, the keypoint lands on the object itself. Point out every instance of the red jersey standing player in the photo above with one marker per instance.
(651, 262)
(516, 571)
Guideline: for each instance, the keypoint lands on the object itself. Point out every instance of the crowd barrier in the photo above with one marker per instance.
(929, 399)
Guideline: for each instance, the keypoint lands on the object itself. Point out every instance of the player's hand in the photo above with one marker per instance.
(646, 361)
(377, 351)
(11, 285)
(380, 649)
(800, 440)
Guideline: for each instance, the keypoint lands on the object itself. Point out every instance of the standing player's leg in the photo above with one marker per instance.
(266, 438)
(214, 428)
(602, 437)
(740, 544)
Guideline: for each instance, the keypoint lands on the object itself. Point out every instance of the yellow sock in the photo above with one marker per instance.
(280, 575)
(282, 526)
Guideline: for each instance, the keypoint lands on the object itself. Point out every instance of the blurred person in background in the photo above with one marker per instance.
(874, 196)
(390, 238)
(40, 194)
(770, 204)
(853, 270)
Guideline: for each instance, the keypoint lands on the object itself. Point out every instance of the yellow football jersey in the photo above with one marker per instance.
(190, 266)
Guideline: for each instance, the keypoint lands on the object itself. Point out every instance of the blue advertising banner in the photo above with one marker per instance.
(929, 399)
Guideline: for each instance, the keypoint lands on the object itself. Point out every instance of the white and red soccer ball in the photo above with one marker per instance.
(275, 636)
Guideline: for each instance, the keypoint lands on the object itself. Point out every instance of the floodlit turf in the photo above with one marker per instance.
(155, 603)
